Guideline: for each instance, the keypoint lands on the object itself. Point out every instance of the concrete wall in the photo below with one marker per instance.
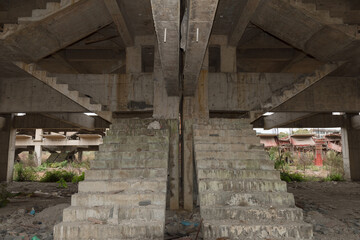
(244, 91)
(116, 92)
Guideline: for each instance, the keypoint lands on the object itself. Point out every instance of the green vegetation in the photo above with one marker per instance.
(289, 170)
(55, 176)
(62, 183)
(283, 134)
(24, 174)
(77, 179)
(302, 131)
(52, 172)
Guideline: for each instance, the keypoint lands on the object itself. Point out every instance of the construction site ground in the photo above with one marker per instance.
(332, 207)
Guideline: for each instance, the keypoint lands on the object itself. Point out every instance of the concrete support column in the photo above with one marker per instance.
(228, 59)
(195, 110)
(350, 138)
(38, 148)
(7, 148)
(166, 107)
(133, 59)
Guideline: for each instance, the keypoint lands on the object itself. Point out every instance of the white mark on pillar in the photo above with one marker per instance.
(165, 33)
(197, 34)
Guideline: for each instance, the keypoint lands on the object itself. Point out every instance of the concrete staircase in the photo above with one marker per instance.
(241, 195)
(124, 194)
(52, 7)
(83, 101)
(302, 83)
(48, 30)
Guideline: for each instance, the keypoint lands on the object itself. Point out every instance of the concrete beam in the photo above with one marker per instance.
(244, 19)
(78, 120)
(280, 119)
(166, 14)
(301, 84)
(200, 22)
(332, 94)
(303, 27)
(30, 95)
(116, 12)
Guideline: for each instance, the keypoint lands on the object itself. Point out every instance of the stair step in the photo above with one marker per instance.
(114, 147)
(106, 213)
(138, 132)
(228, 147)
(224, 133)
(229, 140)
(120, 186)
(143, 155)
(251, 214)
(260, 155)
(126, 230)
(230, 126)
(76, 214)
(128, 163)
(135, 139)
(122, 200)
(112, 174)
(241, 230)
(274, 199)
(234, 174)
(248, 185)
(236, 164)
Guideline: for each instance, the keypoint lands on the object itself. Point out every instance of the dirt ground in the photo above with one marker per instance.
(332, 207)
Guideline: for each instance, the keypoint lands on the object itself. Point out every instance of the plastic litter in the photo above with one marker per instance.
(32, 212)
(186, 223)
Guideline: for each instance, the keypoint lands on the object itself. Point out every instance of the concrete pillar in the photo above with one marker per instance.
(38, 147)
(228, 59)
(133, 59)
(7, 149)
(195, 110)
(350, 138)
(166, 107)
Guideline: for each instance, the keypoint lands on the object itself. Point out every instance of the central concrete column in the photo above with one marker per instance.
(350, 138)
(167, 108)
(7, 148)
(195, 110)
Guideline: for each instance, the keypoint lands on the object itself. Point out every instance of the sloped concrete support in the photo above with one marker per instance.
(201, 17)
(7, 149)
(351, 150)
(166, 14)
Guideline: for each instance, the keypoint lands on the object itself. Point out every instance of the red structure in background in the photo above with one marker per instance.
(318, 154)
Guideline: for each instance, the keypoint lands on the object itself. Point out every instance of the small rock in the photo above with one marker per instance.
(154, 125)
(21, 211)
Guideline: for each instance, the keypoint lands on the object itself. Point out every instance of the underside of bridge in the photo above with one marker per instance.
(204, 70)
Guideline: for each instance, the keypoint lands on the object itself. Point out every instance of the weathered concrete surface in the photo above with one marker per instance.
(7, 147)
(47, 36)
(166, 14)
(324, 97)
(201, 17)
(128, 193)
(31, 95)
(350, 138)
(242, 197)
(115, 92)
(318, 35)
